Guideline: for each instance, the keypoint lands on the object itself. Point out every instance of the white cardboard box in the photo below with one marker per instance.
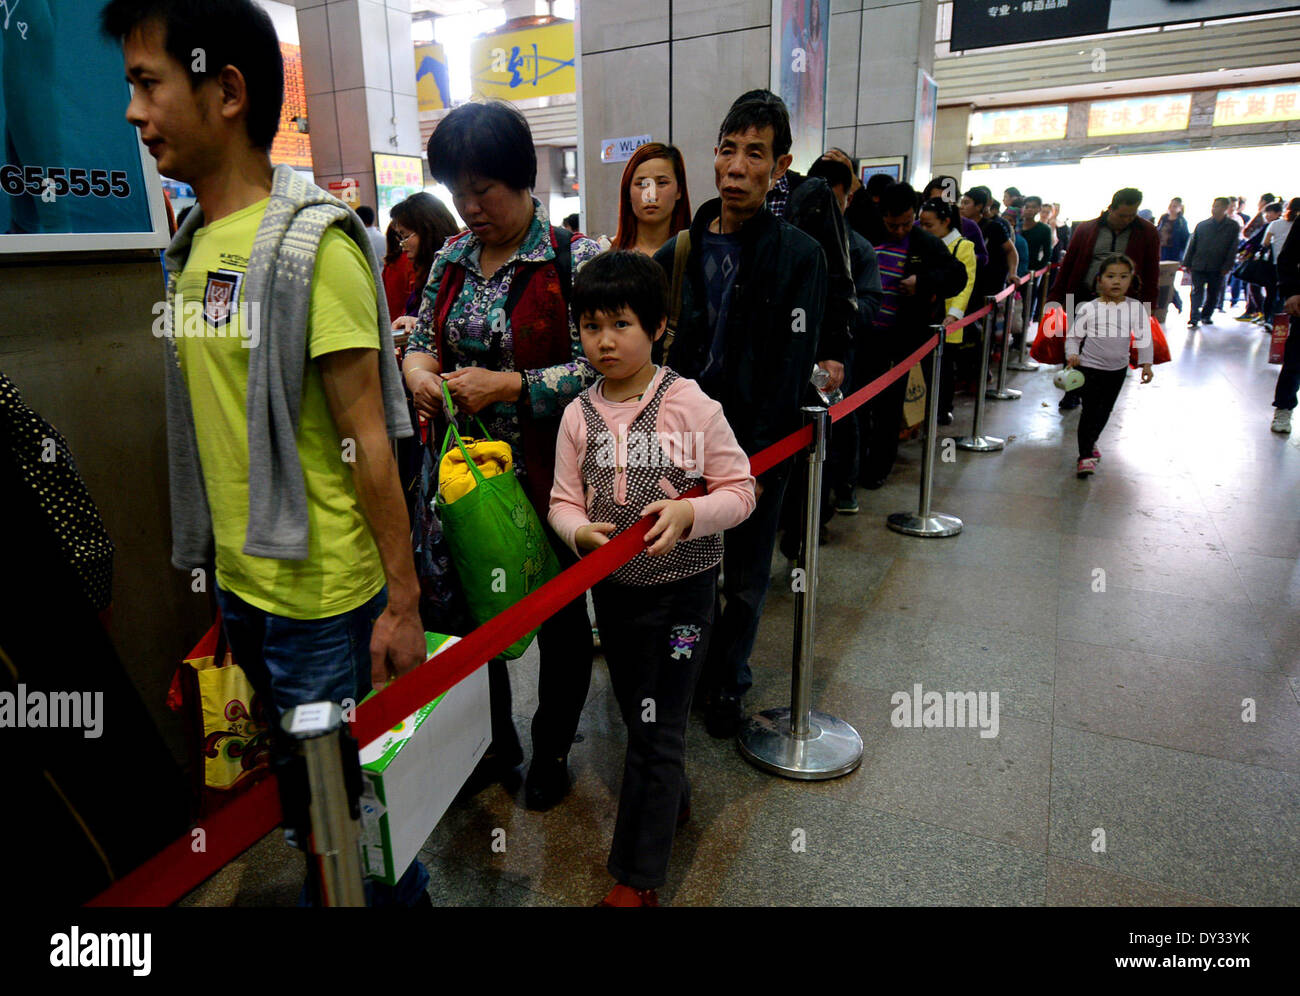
(412, 773)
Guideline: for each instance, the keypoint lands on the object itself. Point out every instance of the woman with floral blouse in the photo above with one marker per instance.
(495, 324)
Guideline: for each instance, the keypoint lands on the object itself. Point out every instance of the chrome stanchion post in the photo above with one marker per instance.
(1002, 392)
(1022, 360)
(334, 844)
(924, 522)
(977, 442)
(800, 742)
(1026, 295)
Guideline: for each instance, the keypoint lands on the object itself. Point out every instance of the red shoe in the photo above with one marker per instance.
(625, 895)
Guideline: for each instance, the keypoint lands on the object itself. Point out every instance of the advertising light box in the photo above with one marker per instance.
(73, 173)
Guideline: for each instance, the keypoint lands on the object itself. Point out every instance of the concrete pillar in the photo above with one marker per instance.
(877, 46)
(359, 70)
(951, 140)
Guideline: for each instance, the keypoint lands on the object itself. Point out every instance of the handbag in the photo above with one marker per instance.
(1257, 268)
(1049, 343)
(496, 541)
(914, 398)
(1159, 346)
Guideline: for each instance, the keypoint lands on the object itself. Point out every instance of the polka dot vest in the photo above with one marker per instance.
(644, 484)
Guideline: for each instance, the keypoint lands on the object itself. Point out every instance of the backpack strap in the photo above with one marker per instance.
(681, 250)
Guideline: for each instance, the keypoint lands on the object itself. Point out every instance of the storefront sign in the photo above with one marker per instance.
(1257, 105)
(534, 62)
(73, 173)
(292, 144)
(1023, 124)
(984, 24)
(348, 191)
(1139, 115)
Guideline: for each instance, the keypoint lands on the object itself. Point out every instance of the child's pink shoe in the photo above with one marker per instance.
(1086, 467)
(1096, 453)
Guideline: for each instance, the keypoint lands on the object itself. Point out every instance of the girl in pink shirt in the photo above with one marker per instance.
(630, 446)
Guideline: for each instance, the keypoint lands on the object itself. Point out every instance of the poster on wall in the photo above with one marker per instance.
(396, 179)
(432, 81)
(927, 102)
(800, 43)
(73, 173)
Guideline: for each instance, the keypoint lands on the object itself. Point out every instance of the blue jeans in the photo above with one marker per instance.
(290, 662)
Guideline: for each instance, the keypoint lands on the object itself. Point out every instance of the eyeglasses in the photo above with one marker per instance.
(403, 239)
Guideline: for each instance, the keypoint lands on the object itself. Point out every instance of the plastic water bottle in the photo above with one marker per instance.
(820, 379)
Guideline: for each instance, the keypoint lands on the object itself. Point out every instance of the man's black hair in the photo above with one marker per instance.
(1032, 197)
(877, 183)
(1013, 191)
(856, 167)
(1126, 195)
(980, 195)
(488, 139)
(834, 172)
(1268, 198)
(897, 199)
(571, 222)
(235, 33)
(618, 279)
(366, 214)
(759, 109)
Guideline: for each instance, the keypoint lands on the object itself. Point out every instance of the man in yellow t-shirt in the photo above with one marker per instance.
(344, 617)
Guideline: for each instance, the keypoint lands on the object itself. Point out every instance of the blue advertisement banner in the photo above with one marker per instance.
(70, 163)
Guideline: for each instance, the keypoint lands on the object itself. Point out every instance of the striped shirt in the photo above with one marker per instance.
(891, 256)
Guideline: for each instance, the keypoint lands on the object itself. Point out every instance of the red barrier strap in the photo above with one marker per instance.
(231, 830)
(970, 319)
(181, 865)
(869, 391)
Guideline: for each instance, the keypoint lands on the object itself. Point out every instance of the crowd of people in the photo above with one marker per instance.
(712, 325)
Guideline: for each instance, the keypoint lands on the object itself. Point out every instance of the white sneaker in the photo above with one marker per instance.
(1281, 420)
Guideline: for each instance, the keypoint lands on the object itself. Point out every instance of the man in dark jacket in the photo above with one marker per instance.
(1208, 257)
(751, 310)
(1118, 229)
(842, 459)
(917, 274)
(1288, 292)
(807, 203)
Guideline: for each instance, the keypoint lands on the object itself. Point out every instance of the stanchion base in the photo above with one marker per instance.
(1028, 365)
(831, 749)
(981, 444)
(934, 524)
(1006, 394)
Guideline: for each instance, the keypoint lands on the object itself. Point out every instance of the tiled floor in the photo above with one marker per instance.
(1127, 769)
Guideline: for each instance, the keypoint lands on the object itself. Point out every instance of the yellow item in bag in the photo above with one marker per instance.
(454, 477)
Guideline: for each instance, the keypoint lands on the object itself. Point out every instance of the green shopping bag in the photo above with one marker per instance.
(496, 541)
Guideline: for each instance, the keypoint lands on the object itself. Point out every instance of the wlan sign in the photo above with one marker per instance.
(619, 150)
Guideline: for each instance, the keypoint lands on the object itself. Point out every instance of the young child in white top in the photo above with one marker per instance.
(1097, 342)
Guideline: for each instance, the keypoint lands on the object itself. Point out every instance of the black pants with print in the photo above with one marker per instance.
(655, 638)
(1099, 392)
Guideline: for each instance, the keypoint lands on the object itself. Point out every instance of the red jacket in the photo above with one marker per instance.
(1143, 248)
